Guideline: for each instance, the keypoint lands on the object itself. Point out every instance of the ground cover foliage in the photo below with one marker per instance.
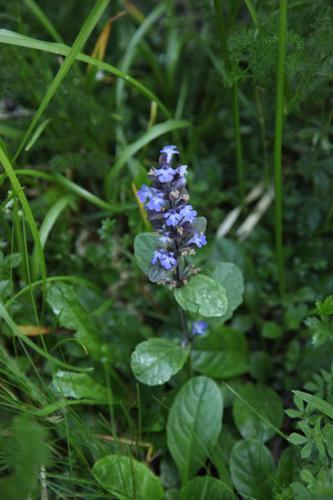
(104, 391)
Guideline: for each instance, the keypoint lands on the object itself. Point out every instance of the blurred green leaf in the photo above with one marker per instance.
(266, 404)
(231, 278)
(194, 424)
(202, 295)
(271, 330)
(72, 315)
(252, 469)
(25, 452)
(205, 487)
(79, 385)
(127, 478)
(222, 354)
(315, 402)
(155, 361)
(144, 247)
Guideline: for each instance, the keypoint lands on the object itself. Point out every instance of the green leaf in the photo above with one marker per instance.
(297, 439)
(79, 385)
(271, 330)
(157, 274)
(126, 478)
(252, 468)
(200, 224)
(144, 247)
(231, 278)
(222, 354)
(72, 315)
(205, 487)
(26, 452)
(288, 467)
(194, 424)
(325, 307)
(155, 361)
(316, 402)
(203, 296)
(257, 411)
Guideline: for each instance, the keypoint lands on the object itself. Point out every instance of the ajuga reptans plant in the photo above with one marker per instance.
(180, 231)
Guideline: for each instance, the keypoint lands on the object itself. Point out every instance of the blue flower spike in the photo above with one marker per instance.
(173, 218)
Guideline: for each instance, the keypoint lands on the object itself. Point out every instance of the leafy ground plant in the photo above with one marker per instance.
(153, 345)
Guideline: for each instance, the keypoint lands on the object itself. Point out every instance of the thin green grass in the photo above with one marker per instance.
(129, 151)
(16, 39)
(27, 211)
(76, 48)
(43, 19)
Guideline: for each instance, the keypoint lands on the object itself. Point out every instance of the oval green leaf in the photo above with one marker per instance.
(252, 469)
(127, 478)
(205, 487)
(204, 296)
(194, 424)
(258, 412)
(155, 361)
(144, 247)
(231, 278)
(79, 385)
(222, 354)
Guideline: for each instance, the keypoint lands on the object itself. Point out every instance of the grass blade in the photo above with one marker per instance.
(16, 331)
(26, 209)
(81, 39)
(39, 130)
(71, 187)
(39, 14)
(11, 132)
(130, 150)
(12, 38)
(252, 12)
(47, 225)
(130, 51)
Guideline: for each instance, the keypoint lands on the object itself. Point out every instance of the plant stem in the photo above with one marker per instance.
(182, 314)
(183, 320)
(278, 144)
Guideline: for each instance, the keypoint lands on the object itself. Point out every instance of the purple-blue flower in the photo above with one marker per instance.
(156, 202)
(172, 218)
(144, 193)
(199, 327)
(165, 174)
(169, 151)
(187, 214)
(181, 170)
(165, 258)
(165, 238)
(198, 239)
